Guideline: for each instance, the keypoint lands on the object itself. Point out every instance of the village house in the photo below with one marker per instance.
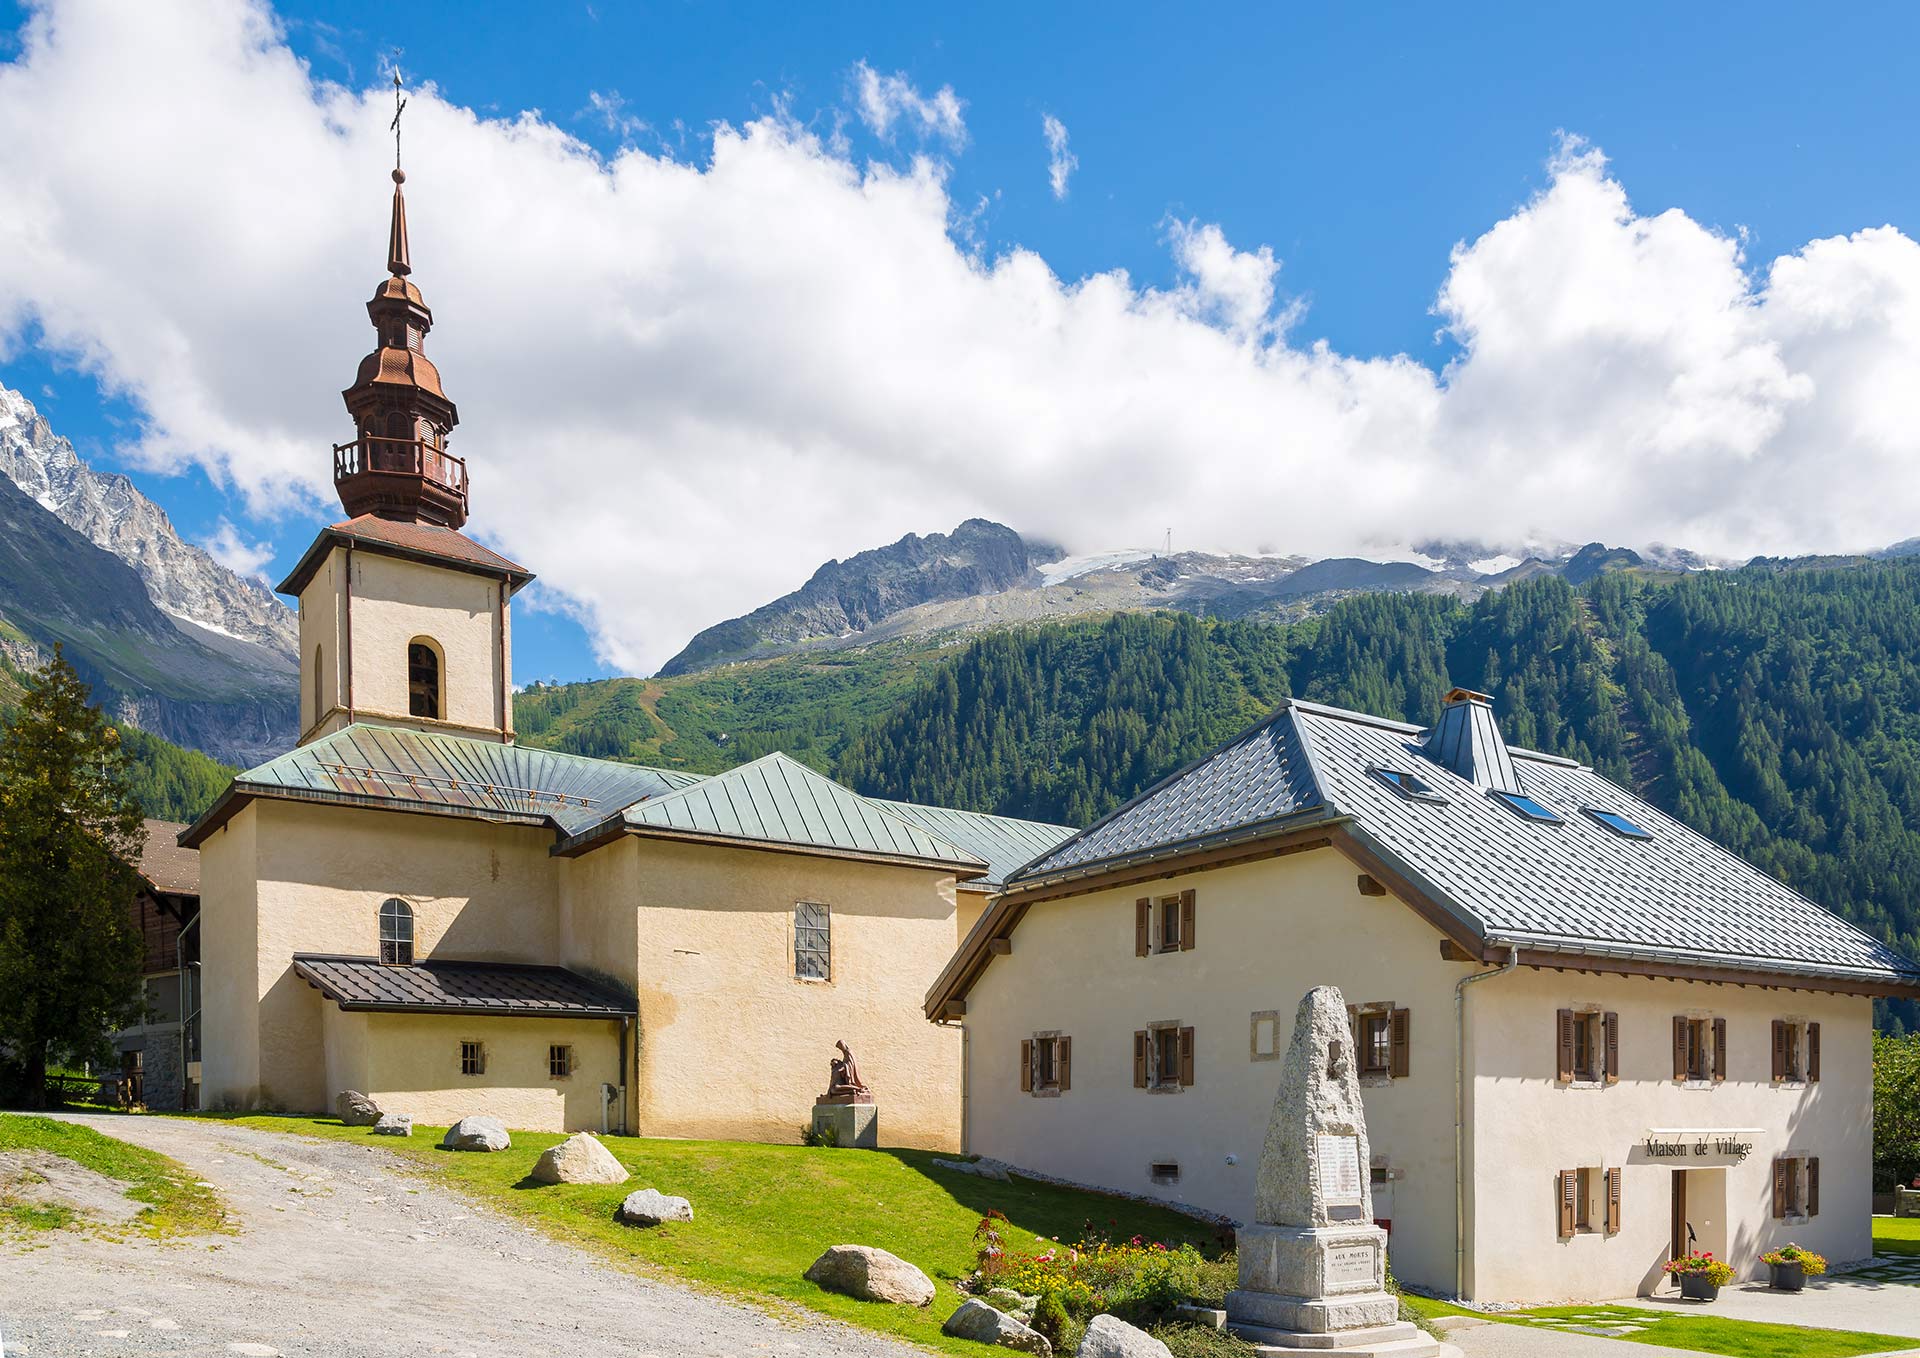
(159, 1057)
(414, 906)
(1589, 1038)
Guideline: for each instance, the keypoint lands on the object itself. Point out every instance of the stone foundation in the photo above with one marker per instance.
(855, 1125)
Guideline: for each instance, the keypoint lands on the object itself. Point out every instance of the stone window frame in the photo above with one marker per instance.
(1165, 924)
(1157, 1080)
(1714, 1046)
(1358, 1017)
(1596, 1201)
(1803, 1048)
(560, 1064)
(798, 951)
(1803, 1185)
(1602, 1075)
(1254, 1020)
(1047, 1049)
(473, 1059)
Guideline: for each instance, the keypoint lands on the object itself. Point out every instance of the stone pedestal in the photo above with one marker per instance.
(855, 1125)
(1319, 1288)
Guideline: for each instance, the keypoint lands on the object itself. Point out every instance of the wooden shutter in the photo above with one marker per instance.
(1719, 1049)
(1142, 926)
(1813, 1185)
(1186, 920)
(1679, 1046)
(1813, 1051)
(1063, 1062)
(1026, 1065)
(1564, 1033)
(1610, 1027)
(1402, 1042)
(1567, 1189)
(1781, 1169)
(1186, 1056)
(1140, 1059)
(1613, 1202)
(1779, 1054)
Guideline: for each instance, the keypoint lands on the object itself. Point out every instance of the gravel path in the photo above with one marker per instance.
(347, 1251)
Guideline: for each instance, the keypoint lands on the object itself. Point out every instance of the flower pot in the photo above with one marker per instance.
(1695, 1287)
(1787, 1277)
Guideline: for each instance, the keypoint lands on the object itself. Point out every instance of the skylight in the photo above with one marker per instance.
(1408, 785)
(1521, 804)
(1618, 823)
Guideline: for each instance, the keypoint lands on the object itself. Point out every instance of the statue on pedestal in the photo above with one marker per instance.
(844, 1084)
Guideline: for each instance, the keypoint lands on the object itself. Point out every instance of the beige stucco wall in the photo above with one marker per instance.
(393, 602)
(229, 964)
(1526, 1128)
(1265, 933)
(733, 1046)
(969, 907)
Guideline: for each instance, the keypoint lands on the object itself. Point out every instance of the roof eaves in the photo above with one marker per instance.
(967, 867)
(238, 794)
(1763, 967)
(1250, 832)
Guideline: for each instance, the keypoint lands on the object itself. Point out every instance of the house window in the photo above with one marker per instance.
(1163, 1057)
(1588, 1201)
(1699, 1048)
(1588, 1044)
(1796, 1051)
(1796, 1187)
(812, 941)
(1376, 1044)
(1165, 925)
(1382, 1036)
(1164, 1171)
(423, 680)
(396, 933)
(1046, 1064)
(473, 1058)
(559, 1062)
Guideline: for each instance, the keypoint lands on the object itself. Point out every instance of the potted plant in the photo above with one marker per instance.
(1700, 1275)
(1789, 1267)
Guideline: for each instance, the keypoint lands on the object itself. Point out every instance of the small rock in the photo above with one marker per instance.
(355, 1109)
(393, 1124)
(1020, 1307)
(1111, 1337)
(872, 1275)
(979, 1322)
(477, 1134)
(580, 1159)
(980, 1169)
(650, 1207)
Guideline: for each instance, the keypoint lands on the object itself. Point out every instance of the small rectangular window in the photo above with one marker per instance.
(1376, 1044)
(1521, 804)
(1583, 1199)
(812, 941)
(473, 1058)
(1166, 1067)
(1408, 785)
(1618, 823)
(1164, 1171)
(1170, 924)
(1588, 1048)
(559, 1062)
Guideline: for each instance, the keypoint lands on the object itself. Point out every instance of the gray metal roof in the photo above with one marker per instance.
(502, 989)
(1467, 740)
(1573, 887)
(777, 800)
(1005, 844)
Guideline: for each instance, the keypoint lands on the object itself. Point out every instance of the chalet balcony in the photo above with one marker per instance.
(401, 479)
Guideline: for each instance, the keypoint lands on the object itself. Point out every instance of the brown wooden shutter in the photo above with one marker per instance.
(1567, 1189)
(1813, 1185)
(1402, 1042)
(1781, 1169)
(1186, 1056)
(1679, 1046)
(1564, 1033)
(1140, 1060)
(1610, 1026)
(1613, 1202)
(1779, 1053)
(1719, 1049)
(1063, 1062)
(1813, 1051)
(1186, 920)
(1142, 926)
(1026, 1066)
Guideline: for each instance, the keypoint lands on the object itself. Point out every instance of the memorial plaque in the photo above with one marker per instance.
(1339, 1156)
(1350, 1264)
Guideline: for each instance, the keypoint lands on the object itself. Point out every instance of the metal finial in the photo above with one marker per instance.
(399, 107)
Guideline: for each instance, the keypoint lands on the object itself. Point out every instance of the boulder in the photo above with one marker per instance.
(355, 1109)
(650, 1207)
(393, 1124)
(1021, 1308)
(980, 1169)
(580, 1159)
(872, 1275)
(1111, 1337)
(477, 1134)
(979, 1322)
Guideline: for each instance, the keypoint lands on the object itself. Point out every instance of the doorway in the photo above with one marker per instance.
(1699, 1213)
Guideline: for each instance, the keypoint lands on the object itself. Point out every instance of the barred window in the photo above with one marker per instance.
(473, 1058)
(396, 933)
(559, 1062)
(812, 942)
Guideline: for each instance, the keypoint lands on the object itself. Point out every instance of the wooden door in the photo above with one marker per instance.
(1678, 1245)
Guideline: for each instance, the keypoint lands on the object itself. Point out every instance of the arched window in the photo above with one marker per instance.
(423, 679)
(396, 933)
(318, 681)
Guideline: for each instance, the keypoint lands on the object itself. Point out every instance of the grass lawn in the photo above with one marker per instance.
(762, 1214)
(1704, 1333)
(1896, 1235)
(176, 1205)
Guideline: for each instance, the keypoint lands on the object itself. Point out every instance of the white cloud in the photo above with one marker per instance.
(231, 549)
(886, 100)
(610, 111)
(685, 385)
(1061, 163)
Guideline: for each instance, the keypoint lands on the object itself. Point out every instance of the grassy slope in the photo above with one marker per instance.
(763, 1214)
(1896, 1235)
(176, 1204)
(1703, 1333)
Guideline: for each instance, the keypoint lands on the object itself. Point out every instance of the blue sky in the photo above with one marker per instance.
(1358, 145)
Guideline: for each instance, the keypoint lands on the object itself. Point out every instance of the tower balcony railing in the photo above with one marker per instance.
(400, 457)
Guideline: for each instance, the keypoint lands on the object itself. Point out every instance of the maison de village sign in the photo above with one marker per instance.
(1683, 1146)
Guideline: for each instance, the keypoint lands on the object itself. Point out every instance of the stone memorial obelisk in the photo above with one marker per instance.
(1313, 1266)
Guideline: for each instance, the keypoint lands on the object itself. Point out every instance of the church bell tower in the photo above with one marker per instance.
(404, 619)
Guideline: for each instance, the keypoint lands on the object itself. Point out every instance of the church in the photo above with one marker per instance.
(412, 905)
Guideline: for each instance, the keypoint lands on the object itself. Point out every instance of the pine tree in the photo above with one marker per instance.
(69, 828)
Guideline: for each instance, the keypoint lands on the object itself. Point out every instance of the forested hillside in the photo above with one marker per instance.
(1775, 708)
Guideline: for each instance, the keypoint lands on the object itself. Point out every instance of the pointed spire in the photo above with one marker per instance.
(397, 262)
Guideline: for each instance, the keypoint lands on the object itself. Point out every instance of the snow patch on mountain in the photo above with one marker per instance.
(1054, 572)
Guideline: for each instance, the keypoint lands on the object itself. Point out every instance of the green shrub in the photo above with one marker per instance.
(1187, 1340)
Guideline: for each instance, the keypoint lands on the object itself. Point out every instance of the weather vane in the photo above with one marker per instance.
(399, 107)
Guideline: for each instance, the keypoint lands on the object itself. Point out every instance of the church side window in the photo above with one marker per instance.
(423, 680)
(396, 933)
(812, 941)
(318, 653)
(473, 1058)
